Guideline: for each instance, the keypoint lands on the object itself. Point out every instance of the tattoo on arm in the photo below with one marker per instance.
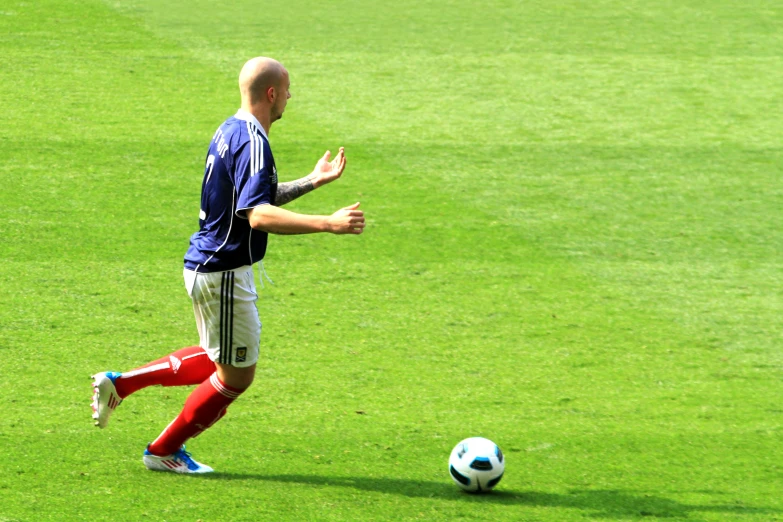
(290, 190)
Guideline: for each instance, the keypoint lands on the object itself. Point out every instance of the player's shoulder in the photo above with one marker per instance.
(241, 132)
(235, 129)
(231, 139)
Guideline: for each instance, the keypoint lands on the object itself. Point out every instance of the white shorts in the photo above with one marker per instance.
(226, 315)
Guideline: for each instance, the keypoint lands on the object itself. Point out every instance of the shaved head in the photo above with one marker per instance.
(265, 88)
(258, 75)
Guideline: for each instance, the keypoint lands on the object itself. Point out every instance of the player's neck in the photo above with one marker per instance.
(263, 116)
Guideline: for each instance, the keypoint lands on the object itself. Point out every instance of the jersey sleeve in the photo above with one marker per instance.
(254, 170)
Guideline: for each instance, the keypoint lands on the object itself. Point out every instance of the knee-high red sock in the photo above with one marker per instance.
(203, 408)
(184, 367)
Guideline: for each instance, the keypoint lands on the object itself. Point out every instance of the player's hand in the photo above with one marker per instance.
(326, 171)
(348, 220)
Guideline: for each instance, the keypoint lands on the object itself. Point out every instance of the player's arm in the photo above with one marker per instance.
(276, 220)
(325, 171)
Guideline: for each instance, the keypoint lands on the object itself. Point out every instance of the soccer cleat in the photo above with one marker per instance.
(179, 462)
(105, 398)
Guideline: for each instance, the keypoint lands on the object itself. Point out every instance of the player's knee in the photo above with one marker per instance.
(247, 381)
(237, 378)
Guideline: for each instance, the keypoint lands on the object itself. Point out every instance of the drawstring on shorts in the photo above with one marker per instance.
(262, 274)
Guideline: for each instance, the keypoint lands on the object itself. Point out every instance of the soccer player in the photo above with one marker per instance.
(240, 205)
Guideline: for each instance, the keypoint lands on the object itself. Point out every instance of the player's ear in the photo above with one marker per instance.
(270, 94)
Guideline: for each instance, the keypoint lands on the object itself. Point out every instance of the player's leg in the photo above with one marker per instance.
(236, 377)
(206, 405)
(185, 367)
(228, 320)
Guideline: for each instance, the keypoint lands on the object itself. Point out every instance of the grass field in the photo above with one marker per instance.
(575, 249)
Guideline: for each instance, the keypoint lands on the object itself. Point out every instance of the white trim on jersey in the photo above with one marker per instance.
(228, 235)
(260, 142)
(256, 150)
(254, 128)
(252, 150)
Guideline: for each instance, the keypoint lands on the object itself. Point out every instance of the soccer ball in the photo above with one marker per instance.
(476, 465)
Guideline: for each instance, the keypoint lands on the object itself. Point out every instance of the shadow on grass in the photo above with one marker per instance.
(597, 503)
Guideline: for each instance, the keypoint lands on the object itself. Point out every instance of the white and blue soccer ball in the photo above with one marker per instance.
(476, 465)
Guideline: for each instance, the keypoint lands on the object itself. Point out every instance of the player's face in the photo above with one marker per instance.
(283, 94)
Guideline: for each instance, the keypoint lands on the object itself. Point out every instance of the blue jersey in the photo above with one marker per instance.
(240, 174)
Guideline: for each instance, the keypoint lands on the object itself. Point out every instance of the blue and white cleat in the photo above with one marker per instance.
(179, 462)
(105, 398)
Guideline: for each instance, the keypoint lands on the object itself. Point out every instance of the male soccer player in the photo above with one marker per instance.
(240, 205)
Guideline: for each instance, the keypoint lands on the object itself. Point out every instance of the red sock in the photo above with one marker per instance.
(203, 408)
(184, 367)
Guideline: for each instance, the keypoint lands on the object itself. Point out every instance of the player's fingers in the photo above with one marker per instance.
(337, 165)
(352, 224)
(352, 207)
(326, 155)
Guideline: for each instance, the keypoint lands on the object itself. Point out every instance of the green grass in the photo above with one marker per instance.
(574, 249)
